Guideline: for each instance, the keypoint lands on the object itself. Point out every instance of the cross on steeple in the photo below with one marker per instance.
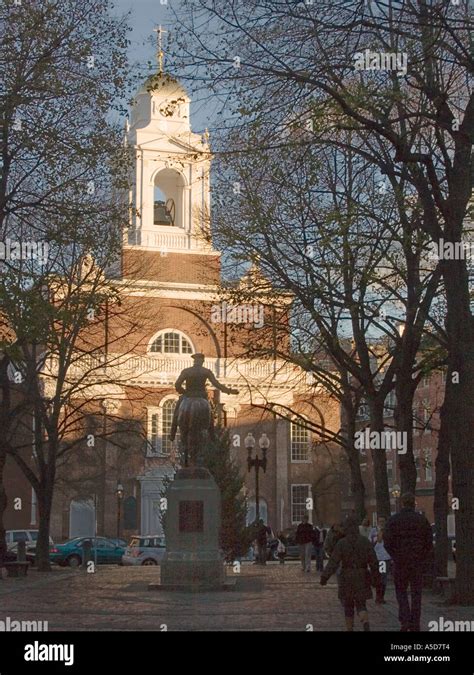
(160, 53)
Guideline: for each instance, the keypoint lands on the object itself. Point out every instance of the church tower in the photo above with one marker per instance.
(168, 239)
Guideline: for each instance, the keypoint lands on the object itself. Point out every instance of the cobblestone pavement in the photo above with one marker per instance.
(274, 597)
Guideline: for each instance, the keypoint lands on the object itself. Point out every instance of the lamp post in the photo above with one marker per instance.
(119, 493)
(103, 469)
(258, 463)
(396, 491)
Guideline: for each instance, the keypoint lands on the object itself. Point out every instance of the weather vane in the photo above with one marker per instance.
(160, 53)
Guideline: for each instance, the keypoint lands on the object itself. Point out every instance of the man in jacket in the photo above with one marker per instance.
(355, 556)
(304, 537)
(409, 541)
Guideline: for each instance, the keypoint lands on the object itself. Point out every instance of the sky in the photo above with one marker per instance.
(145, 16)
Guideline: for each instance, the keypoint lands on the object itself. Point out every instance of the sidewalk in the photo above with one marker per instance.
(275, 597)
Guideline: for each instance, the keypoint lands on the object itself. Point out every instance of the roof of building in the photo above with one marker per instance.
(163, 83)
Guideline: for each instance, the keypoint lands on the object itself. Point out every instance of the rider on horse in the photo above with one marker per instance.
(195, 379)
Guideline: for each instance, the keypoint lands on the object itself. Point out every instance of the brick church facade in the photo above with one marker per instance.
(169, 280)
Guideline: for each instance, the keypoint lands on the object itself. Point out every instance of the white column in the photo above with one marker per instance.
(281, 464)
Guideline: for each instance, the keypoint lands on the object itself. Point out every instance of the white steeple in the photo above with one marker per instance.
(172, 164)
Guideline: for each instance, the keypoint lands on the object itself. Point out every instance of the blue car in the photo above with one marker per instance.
(70, 553)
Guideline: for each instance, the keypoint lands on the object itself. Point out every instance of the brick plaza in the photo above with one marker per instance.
(272, 598)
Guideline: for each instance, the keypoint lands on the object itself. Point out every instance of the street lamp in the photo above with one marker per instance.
(258, 463)
(119, 493)
(396, 491)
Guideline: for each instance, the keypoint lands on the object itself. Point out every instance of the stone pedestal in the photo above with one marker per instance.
(192, 560)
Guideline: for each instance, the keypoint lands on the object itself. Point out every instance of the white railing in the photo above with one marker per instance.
(158, 369)
(177, 240)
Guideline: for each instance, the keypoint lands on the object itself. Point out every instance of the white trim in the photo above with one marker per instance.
(178, 251)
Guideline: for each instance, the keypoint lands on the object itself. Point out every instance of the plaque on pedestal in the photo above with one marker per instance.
(193, 560)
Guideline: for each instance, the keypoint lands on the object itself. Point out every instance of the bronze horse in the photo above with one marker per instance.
(194, 420)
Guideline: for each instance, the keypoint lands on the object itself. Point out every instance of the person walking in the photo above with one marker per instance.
(359, 571)
(408, 539)
(281, 548)
(262, 533)
(318, 547)
(364, 528)
(374, 535)
(335, 533)
(304, 538)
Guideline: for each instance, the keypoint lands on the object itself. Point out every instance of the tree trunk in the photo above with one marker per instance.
(404, 423)
(348, 421)
(379, 460)
(3, 506)
(357, 484)
(5, 421)
(45, 500)
(441, 506)
(102, 508)
(460, 413)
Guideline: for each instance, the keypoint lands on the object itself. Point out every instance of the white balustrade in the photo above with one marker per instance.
(159, 369)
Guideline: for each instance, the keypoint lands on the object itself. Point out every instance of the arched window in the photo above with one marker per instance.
(171, 342)
(159, 427)
(300, 442)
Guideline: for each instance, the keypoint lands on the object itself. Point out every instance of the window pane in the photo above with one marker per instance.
(171, 343)
(166, 419)
(157, 345)
(154, 435)
(428, 465)
(299, 443)
(20, 536)
(186, 346)
(299, 494)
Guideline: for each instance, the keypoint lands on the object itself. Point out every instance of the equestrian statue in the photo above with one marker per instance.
(193, 413)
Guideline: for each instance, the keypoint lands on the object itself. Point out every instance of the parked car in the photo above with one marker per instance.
(30, 537)
(104, 551)
(145, 550)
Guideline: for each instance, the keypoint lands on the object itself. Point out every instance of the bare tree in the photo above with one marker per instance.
(398, 75)
(64, 167)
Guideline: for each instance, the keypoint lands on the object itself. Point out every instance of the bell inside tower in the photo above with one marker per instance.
(168, 198)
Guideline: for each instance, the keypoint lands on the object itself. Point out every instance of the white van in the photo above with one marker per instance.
(30, 538)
